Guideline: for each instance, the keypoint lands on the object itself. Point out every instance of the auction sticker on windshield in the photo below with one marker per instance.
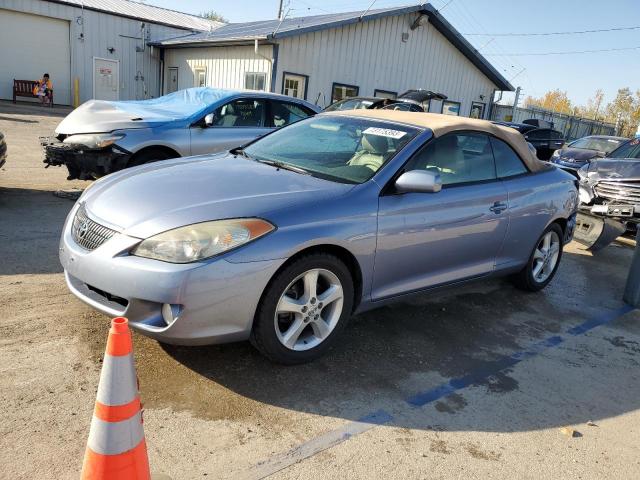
(385, 132)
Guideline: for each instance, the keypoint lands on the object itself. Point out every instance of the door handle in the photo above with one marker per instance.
(498, 207)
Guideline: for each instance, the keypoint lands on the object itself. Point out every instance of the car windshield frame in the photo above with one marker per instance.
(335, 165)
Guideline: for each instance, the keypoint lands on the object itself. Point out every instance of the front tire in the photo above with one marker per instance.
(303, 309)
(543, 262)
(151, 155)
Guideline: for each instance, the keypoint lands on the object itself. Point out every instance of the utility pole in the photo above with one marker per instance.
(515, 105)
(281, 10)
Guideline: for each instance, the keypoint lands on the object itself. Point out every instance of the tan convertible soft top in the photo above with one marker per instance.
(442, 124)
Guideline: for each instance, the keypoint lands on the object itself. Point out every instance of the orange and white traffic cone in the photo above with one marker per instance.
(116, 448)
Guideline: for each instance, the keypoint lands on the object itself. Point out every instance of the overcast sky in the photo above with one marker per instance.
(578, 74)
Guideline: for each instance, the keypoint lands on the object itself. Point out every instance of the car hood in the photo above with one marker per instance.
(179, 109)
(615, 169)
(578, 154)
(97, 116)
(150, 199)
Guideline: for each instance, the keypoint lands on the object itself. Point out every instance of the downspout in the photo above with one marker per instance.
(270, 60)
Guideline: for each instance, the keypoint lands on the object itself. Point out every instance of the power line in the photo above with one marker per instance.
(575, 52)
(539, 34)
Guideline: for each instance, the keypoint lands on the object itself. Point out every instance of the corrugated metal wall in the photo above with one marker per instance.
(373, 56)
(225, 66)
(101, 31)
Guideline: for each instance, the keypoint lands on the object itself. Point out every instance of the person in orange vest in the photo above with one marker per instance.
(44, 89)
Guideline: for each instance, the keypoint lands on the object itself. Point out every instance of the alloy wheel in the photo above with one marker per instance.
(309, 309)
(545, 256)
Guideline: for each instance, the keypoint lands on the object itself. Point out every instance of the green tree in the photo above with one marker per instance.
(213, 15)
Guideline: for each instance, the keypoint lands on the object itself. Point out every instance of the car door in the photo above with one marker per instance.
(528, 198)
(235, 123)
(428, 239)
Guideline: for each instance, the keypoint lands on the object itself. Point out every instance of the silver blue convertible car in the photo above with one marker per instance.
(281, 241)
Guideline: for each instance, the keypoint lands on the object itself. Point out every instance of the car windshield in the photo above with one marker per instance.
(337, 148)
(630, 149)
(349, 104)
(605, 145)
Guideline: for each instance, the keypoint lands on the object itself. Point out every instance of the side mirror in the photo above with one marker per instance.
(209, 119)
(419, 181)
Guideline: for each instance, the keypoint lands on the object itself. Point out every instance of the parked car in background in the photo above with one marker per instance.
(574, 155)
(282, 241)
(409, 101)
(544, 140)
(3, 150)
(358, 103)
(610, 187)
(101, 137)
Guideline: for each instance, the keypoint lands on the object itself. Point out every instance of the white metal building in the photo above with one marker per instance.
(324, 58)
(102, 43)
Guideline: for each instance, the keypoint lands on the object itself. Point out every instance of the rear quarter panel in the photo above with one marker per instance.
(535, 201)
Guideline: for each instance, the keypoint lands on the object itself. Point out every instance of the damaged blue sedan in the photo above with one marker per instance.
(102, 137)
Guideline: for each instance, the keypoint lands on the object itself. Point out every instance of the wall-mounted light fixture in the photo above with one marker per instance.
(111, 50)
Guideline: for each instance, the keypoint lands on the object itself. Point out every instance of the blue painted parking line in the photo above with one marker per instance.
(420, 399)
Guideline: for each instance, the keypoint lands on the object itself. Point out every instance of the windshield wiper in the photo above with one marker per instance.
(239, 151)
(284, 166)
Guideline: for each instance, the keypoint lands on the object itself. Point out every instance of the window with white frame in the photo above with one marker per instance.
(255, 80)
(294, 85)
(200, 77)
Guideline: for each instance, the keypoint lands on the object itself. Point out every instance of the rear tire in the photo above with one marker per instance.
(543, 262)
(151, 155)
(303, 309)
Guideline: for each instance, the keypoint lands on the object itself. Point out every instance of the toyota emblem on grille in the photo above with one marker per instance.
(84, 228)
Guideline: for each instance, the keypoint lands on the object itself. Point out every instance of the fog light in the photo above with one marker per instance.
(170, 313)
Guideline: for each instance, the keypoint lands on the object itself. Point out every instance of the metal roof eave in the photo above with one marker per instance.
(451, 34)
(213, 44)
(132, 17)
(347, 21)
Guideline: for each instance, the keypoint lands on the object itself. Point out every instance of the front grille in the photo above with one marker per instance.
(87, 233)
(623, 192)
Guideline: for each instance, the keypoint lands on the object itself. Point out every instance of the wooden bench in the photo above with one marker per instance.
(24, 88)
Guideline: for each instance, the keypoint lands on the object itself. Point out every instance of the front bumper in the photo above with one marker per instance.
(185, 304)
(84, 163)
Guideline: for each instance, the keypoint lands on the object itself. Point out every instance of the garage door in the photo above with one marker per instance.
(31, 46)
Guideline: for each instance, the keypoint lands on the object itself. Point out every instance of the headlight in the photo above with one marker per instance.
(94, 140)
(583, 171)
(202, 240)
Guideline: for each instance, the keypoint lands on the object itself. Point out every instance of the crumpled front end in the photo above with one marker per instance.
(84, 163)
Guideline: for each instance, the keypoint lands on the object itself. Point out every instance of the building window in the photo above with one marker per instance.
(450, 108)
(255, 81)
(295, 85)
(200, 77)
(340, 91)
(477, 110)
(385, 94)
(172, 84)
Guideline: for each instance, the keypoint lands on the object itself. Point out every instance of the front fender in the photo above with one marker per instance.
(176, 139)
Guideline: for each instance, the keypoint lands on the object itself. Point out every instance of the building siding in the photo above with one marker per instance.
(371, 55)
(101, 31)
(226, 66)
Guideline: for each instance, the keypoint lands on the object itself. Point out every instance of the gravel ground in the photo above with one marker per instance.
(225, 412)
